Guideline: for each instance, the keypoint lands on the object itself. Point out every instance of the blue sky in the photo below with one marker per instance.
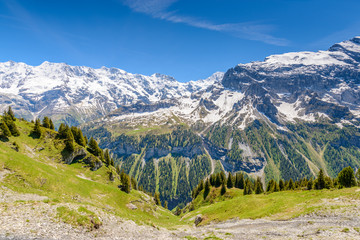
(187, 39)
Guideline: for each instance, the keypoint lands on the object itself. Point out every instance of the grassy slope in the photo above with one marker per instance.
(275, 206)
(42, 172)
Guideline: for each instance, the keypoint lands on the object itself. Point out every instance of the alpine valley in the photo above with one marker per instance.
(285, 117)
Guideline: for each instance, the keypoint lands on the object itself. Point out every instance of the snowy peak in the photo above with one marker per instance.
(87, 93)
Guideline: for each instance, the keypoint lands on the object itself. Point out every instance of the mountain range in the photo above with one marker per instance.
(286, 116)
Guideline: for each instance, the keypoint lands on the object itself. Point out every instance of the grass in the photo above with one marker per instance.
(277, 206)
(37, 168)
(81, 217)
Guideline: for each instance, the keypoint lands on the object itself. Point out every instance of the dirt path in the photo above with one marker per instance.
(30, 216)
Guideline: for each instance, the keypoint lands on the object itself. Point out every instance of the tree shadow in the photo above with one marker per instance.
(34, 135)
(4, 139)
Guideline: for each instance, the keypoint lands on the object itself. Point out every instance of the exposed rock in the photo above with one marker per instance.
(198, 219)
(76, 155)
(131, 206)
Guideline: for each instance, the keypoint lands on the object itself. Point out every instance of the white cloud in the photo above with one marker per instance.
(159, 9)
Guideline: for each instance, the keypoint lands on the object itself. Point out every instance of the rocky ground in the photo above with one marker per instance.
(29, 216)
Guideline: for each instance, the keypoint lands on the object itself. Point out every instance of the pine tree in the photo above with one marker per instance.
(201, 185)
(206, 188)
(230, 181)
(11, 114)
(213, 180)
(241, 181)
(157, 199)
(277, 188)
(320, 181)
(69, 140)
(36, 132)
(223, 177)
(94, 147)
(107, 157)
(258, 186)
(46, 122)
(133, 183)
(282, 185)
(8, 118)
(125, 181)
(247, 187)
(218, 180)
(81, 139)
(223, 189)
(5, 130)
(270, 186)
(310, 184)
(62, 131)
(52, 127)
(346, 177)
(291, 185)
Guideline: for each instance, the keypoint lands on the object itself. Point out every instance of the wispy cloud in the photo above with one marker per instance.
(250, 30)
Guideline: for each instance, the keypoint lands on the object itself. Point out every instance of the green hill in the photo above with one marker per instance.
(30, 165)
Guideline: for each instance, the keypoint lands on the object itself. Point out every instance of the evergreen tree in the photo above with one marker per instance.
(81, 139)
(213, 180)
(291, 185)
(206, 188)
(310, 184)
(223, 177)
(133, 183)
(62, 131)
(270, 186)
(241, 181)
(218, 180)
(107, 157)
(94, 147)
(36, 131)
(157, 199)
(9, 120)
(11, 114)
(223, 189)
(69, 140)
(277, 187)
(5, 130)
(258, 186)
(281, 185)
(320, 181)
(46, 122)
(248, 187)
(125, 181)
(178, 211)
(201, 185)
(52, 127)
(230, 181)
(346, 177)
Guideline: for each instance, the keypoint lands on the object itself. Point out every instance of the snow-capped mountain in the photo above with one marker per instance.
(307, 86)
(79, 94)
(282, 88)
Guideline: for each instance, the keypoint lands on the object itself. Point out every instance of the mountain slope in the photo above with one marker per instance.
(287, 116)
(33, 172)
